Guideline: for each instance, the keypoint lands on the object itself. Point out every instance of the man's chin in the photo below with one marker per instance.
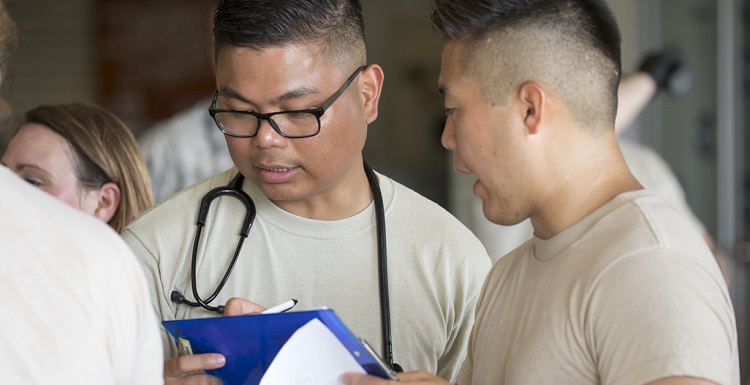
(480, 191)
(279, 194)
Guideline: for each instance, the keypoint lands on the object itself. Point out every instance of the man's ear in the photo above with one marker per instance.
(371, 85)
(108, 201)
(533, 100)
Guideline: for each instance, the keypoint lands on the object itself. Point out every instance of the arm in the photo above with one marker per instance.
(661, 290)
(422, 378)
(634, 94)
(658, 71)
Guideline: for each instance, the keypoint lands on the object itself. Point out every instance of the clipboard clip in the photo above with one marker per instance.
(389, 372)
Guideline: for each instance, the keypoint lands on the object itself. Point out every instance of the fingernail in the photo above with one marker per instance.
(218, 359)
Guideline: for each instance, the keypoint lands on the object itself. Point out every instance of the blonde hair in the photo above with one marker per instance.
(105, 150)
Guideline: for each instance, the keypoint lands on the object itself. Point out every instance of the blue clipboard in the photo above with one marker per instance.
(251, 342)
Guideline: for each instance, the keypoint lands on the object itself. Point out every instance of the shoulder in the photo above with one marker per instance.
(416, 210)
(669, 227)
(180, 207)
(641, 228)
(646, 216)
(410, 202)
(417, 222)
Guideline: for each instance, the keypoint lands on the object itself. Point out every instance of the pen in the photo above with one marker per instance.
(280, 308)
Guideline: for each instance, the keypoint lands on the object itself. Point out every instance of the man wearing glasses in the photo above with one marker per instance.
(294, 98)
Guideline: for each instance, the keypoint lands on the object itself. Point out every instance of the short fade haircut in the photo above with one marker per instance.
(571, 45)
(336, 25)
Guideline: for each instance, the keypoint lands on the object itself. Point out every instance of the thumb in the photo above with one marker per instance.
(239, 306)
(357, 379)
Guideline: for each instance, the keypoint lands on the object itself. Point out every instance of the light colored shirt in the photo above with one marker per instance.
(436, 266)
(75, 302)
(628, 295)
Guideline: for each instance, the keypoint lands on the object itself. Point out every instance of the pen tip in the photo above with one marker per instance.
(295, 301)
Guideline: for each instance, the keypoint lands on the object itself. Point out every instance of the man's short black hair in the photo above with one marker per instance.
(337, 25)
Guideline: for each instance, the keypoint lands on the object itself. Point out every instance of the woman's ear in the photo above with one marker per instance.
(108, 201)
(371, 86)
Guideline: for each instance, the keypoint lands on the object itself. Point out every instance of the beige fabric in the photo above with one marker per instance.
(627, 295)
(435, 266)
(75, 306)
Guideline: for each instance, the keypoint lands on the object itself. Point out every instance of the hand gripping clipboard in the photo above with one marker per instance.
(251, 342)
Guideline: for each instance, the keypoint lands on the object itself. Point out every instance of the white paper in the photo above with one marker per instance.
(312, 356)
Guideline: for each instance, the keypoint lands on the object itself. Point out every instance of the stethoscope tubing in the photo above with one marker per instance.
(385, 306)
(234, 188)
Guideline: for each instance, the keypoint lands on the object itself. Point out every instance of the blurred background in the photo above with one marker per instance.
(146, 60)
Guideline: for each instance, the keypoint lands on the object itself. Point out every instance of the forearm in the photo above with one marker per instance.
(635, 92)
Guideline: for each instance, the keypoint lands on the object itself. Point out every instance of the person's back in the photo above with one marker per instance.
(76, 306)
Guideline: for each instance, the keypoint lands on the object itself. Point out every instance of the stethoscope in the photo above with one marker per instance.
(234, 189)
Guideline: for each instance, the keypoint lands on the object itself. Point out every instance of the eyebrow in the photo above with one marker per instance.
(23, 166)
(296, 93)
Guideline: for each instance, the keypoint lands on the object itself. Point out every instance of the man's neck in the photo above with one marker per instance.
(592, 180)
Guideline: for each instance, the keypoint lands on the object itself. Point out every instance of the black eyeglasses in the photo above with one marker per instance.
(289, 124)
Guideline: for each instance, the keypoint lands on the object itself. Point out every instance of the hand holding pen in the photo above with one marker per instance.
(239, 306)
(189, 367)
(280, 308)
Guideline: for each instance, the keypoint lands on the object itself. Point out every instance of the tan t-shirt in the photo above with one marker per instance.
(628, 295)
